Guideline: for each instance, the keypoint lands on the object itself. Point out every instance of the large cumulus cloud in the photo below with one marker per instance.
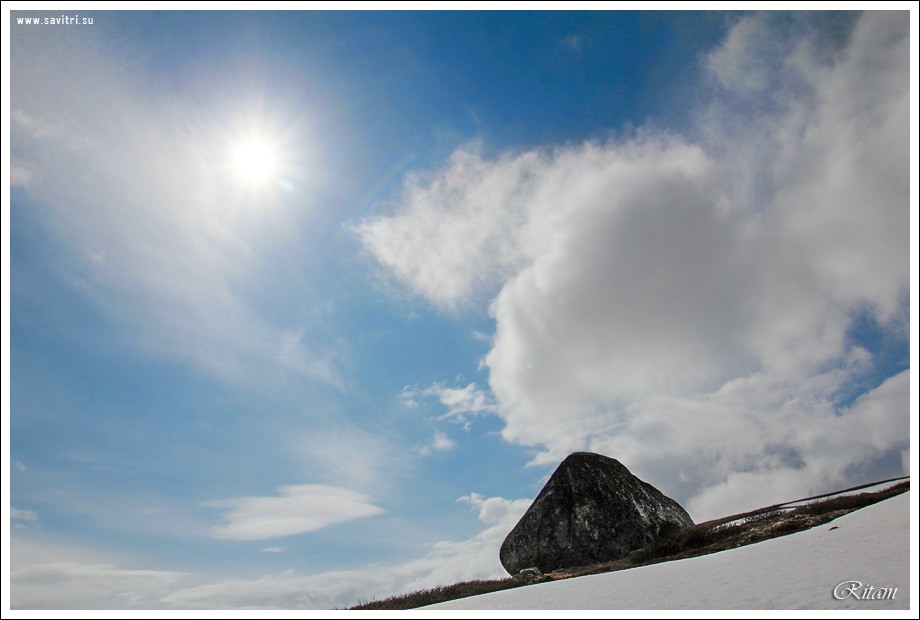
(686, 301)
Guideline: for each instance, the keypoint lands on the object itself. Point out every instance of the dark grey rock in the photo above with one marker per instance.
(591, 510)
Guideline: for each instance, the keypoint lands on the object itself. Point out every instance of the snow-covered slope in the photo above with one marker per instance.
(870, 546)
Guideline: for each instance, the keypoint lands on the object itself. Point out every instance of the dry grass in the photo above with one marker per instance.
(440, 594)
(700, 539)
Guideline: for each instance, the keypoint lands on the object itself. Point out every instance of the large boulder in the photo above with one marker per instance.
(591, 510)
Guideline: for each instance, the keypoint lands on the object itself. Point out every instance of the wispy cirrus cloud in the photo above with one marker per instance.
(297, 510)
(83, 578)
(161, 238)
(447, 562)
(46, 575)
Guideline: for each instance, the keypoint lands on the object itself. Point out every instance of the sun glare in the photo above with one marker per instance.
(254, 160)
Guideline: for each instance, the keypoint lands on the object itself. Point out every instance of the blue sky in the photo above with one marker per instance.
(306, 306)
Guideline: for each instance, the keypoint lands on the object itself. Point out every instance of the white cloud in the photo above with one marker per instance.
(461, 403)
(299, 509)
(686, 306)
(285, 590)
(446, 563)
(853, 172)
(759, 441)
(50, 576)
(23, 515)
(751, 58)
(161, 240)
(71, 585)
(439, 443)
(462, 216)
(53, 576)
(408, 397)
(19, 176)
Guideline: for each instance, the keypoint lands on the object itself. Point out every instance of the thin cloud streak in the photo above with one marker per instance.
(297, 510)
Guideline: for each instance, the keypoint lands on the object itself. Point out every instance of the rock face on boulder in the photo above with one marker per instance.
(591, 510)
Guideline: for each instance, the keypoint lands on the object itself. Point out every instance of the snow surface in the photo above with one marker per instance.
(798, 571)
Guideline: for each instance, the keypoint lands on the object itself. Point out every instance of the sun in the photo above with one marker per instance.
(259, 159)
(254, 160)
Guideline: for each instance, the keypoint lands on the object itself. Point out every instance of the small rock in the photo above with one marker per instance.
(530, 575)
